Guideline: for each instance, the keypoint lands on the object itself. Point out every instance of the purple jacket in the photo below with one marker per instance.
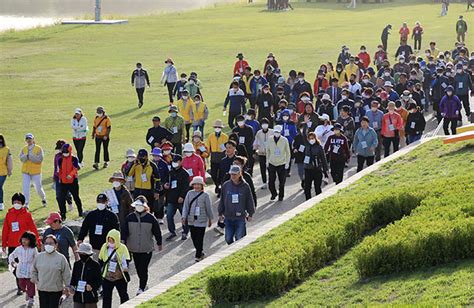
(450, 107)
(56, 166)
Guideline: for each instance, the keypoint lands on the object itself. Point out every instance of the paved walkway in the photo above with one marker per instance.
(179, 255)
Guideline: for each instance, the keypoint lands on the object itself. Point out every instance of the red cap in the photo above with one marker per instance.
(52, 217)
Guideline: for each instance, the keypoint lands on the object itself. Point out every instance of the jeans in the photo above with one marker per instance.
(49, 299)
(215, 173)
(142, 260)
(387, 141)
(197, 235)
(337, 170)
(362, 159)
(64, 189)
(3, 178)
(170, 86)
(80, 144)
(188, 127)
(140, 92)
(108, 288)
(413, 138)
(171, 209)
(199, 127)
(454, 125)
(235, 229)
(312, 176)
(273, 171)
(98, 142)
(231, 119)
(36, 179)
(262, 160)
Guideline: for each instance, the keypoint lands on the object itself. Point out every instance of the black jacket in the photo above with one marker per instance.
(224, 167)
(105, 218)
(299, 143)
(181, 177)
(245, 132)
(264, 109)
(299, 88)
(419, 124)
(91, 273)
(157, 134)
(317, 158)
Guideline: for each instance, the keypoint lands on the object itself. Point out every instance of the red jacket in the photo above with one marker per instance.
(22, 220)
(240, 66)
(194, 163)
(324, 85)
(404, 32)
(391, 119)
(364, 58)
(67, 166)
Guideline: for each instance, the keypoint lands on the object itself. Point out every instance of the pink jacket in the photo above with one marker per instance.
(194, 166)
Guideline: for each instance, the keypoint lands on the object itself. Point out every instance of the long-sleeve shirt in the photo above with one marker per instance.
(194, 165)
(365, 142)
(337, 148)
(235, 100)
(391, 123)
(278, 151)
(50, 272)
(25, 257)
(236, 201)
(169, 74)
(140, 78)
(79, 128)
(198, 213)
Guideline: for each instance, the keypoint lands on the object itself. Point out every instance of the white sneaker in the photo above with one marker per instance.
(161, 221)
(1, 206)
(140, 291)
(218, 230)
(264, 186)
(30, 302)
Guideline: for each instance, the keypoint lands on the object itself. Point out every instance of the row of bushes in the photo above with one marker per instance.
(441, 230)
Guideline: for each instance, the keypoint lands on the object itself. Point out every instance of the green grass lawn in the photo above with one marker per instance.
(46, 73)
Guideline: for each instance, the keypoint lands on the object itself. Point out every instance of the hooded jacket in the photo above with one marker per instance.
(194, 165)
(450, 106)
(67, 166)
(17, 219)
(121, 251)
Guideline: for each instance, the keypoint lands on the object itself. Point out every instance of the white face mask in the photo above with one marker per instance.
(49, 248)
(130, 159)
(301, 79)
(286, 118)
(188, 154)
(100, 114)
(459, 71)
(276, 134)
(183, 79)
(174, 165)
(344, 96)
(241, 123)
(365, 80)
(217, 129)
(100, 206)
(191, 81)
(197, 101)
(111, 245)
(247, 117)
(184, 98)
(139, 208)
(449, 93)
(312, 141)
(402, 61)
(66, 154)
(17, 206)
(265, 126)
(116, 184)
(386, 74)
(167, 152)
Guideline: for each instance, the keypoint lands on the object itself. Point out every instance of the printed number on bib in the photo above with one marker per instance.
(81, 286)
(98, 229)
(15, 226)
(235, 198)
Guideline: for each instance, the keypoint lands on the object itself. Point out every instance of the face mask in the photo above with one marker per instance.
(66, 154)
(49, 248)
(386, 74)
(173, 114)
(185, 98)
(17, 206)
(139, 68)
(100, 114)
(188, 154)
(374, 109)
(167, 152)
(191, 81)
(365, 80)
(391, 111)
(301, 79)
(130, 159)
(344, 97)
(312, 141)
(139, 208)
(111, 245)
(286, 118)
(362, 50)
(174, 165)
(265, 91)
(100, 206)
(240, 123)
(256, 77)
(236, 78)
(183, 79)
(449, 93)
(277, 134)
(402, 61)
(427, 54)
(84, 258)
(247, 117)
(305, 98)
(168, 64)
(116, 184)
(339, 69)
(448, 74)
(217, 129)
(357, 105)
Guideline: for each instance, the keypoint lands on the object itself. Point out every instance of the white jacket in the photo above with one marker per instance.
(25, 258)
(261, 141)
(278, 154)
(79, 128)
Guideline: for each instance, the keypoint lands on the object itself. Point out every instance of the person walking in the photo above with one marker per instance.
(169, 77)
(415, 124)
(98, 223)
(236, 100)
(278, 161)
(240, 64)
(461, 29)
(444, 7)
(236, 206)
(176, 125)
(120, 198)
(375, 116)
(101, 135)
(18, 220)
(157, 134)
(32, 158)
(199, 113)
(450, 109)
(392, 123)
(215, 143)
(163, 170)
(315, 165)
(68, 180)
(63, 234)
(21, 259)
(192, 162)
(138, 231)
(417, 35)
(86, 279)
(197, 214)
(79, 133)
(114, 259)
(177, 186)
(365, 143)
(260, 146)
(463, 84)
(6, 167)
(337, 151)
(246, 138)
(184, 105)
(140, 80)
(384, 36)
(51, 274)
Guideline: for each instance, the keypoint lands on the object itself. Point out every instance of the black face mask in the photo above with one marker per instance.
(142, 160)
(84, 258)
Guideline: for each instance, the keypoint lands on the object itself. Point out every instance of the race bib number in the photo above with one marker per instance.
(460, 85)
(112, 266)
(241, 140)
(24, 269)
(277, 152)
(144, 178)
(444, 85)
(335, 149)
(197, 211)
(81, 286)
(15, 226)
(190, 172)
(235, 198)
(99, 129)
(301, 148)
(174, 184)
(306, 159)
(376, 124)
(265, 104)
(309, 124)
(412, 125)
(114, 208)
(175, 130)
(391, 127)
(357, 119)
(287, 132)
(202, 148)
(129, 178)
(150, 140)
(98, 229)
(363, 144)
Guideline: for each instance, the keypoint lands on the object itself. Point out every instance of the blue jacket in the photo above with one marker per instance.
(163, 169)
(375, 117)
(365, 142)
(289, 131)
(236, 101)
(256, 85)
(462, 84)
(357, 114)
(179, 88)
(254, 124)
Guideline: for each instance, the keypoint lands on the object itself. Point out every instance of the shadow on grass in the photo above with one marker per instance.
(151, 113)
(122, 113)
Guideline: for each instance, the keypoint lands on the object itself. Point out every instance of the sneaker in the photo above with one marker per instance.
(280, 198)
(30, 303)
(139, 291)
(44, 203)
(106, 164)
(161, 221)
(19, 292)
(95, 166)
(1, 206)
(140, 104)
(171, 237)
(264, 186)
(71, 208)
(273, 197)
(218, 230)
(184, 237)
(203, 255)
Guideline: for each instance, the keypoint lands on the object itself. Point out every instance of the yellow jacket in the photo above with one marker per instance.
(5, 161)
(352, 69)
(145, 176)
(32, 160)
(185, 109)
(215, 144)
(247, 83)
(122, 253)
(199, 113)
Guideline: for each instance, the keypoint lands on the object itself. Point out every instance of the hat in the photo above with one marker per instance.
(78, 111)
(281, 79)
(270, 55)
(52, 218)
(188, 147)
(449, 88)
(388, 84)
(59, 144)
(177, 158)
(156, 118)
(278, 128)
(197, 180)
(234, 169)
(326, 97)
(325, 117)
(102, 198)
(18, 197)
(338, 126)
(240, 55)
(218, 123)
(197, 134)
(156, 152)
(117, 175)
(410, 84)
(169, 60)
(85, 249)
(130, 153)
(173, 108)
(406, 93)
(29, 136)
(142, 152)
(140, 200)
(166, 146)
(251, 111)
(100, 109)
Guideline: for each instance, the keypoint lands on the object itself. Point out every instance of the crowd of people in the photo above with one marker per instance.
(359, 108)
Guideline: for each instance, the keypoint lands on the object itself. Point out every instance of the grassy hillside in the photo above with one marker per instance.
(46, 73)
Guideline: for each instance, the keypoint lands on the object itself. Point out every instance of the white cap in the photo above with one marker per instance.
(388, 84)
(326, 97)
(325, 117)
(277, 129)
(188, 147)
(78, 111)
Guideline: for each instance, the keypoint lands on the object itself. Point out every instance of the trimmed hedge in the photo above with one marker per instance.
(441, 230)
